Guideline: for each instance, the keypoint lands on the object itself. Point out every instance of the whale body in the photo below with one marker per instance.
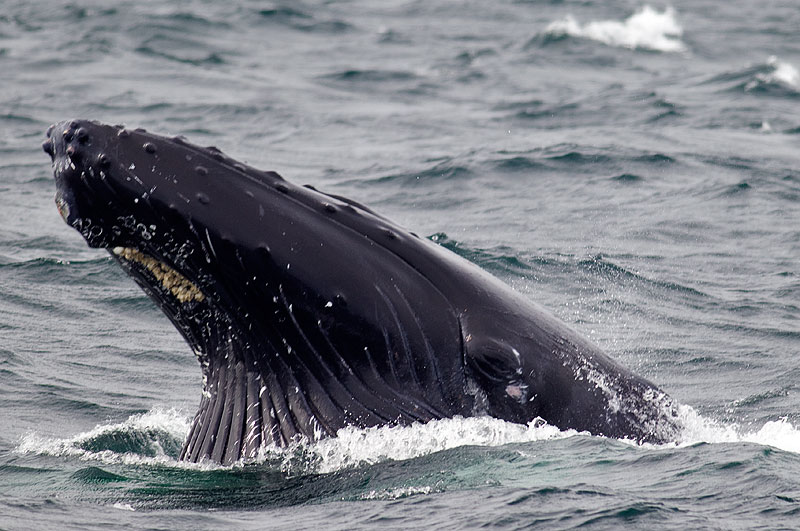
(309, 312)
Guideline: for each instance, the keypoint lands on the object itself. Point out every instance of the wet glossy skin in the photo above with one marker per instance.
(309, 312)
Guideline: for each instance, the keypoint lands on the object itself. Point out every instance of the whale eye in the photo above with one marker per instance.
(494, 359)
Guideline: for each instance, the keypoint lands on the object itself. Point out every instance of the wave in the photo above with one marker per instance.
(180, 50)
(371, 76)
(283, 14)
(567, 154)
(84, 270)
(780, 433)
(647, 29)
(154, 437)
(396, 493)
(627, 178)
(777, 74)
(358, 447)
(443, 170)
(302, 20)
(783, 72)
(500, 259)
(772, 77)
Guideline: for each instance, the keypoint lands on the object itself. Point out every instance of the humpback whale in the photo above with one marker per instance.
(309, 312)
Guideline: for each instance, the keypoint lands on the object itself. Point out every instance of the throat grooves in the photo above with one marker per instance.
(245, 407)
(220, 427)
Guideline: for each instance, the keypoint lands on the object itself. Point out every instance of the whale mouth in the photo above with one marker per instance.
(172, 281)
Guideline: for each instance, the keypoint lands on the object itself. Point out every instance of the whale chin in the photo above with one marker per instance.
(309, 312)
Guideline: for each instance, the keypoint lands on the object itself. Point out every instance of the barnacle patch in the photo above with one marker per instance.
(171, 280)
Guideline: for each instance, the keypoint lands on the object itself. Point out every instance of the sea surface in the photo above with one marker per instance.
(633, 167)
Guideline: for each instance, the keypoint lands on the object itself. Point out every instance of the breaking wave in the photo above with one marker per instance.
(358, 447)
(646, 29)
(773, 77)
(147, 438)
(776, 73)
(779, 433)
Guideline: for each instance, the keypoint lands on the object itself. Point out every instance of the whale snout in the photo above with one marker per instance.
(63, 138)
(77, 150)
(75, 143)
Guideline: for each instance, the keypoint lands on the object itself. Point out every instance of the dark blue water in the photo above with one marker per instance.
(634, 168)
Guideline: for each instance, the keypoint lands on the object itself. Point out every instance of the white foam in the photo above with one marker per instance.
(350, 448)
(646, 29)
(779, 434)
(395, 493)
(123, 506)
(782, 74)
(355, 447)
(170, 421)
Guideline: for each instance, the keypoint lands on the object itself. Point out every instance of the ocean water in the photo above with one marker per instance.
(633, 167)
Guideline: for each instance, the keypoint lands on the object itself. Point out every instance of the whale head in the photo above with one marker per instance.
(161, 206)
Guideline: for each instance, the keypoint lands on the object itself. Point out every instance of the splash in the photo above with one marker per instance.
(356, 447)
(646, 29)
(154, 437)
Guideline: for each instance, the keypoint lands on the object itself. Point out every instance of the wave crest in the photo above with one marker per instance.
(152, 437)
(774, 77)
(356, 447)
(646, 29)
(778, 74)
(780, 433)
